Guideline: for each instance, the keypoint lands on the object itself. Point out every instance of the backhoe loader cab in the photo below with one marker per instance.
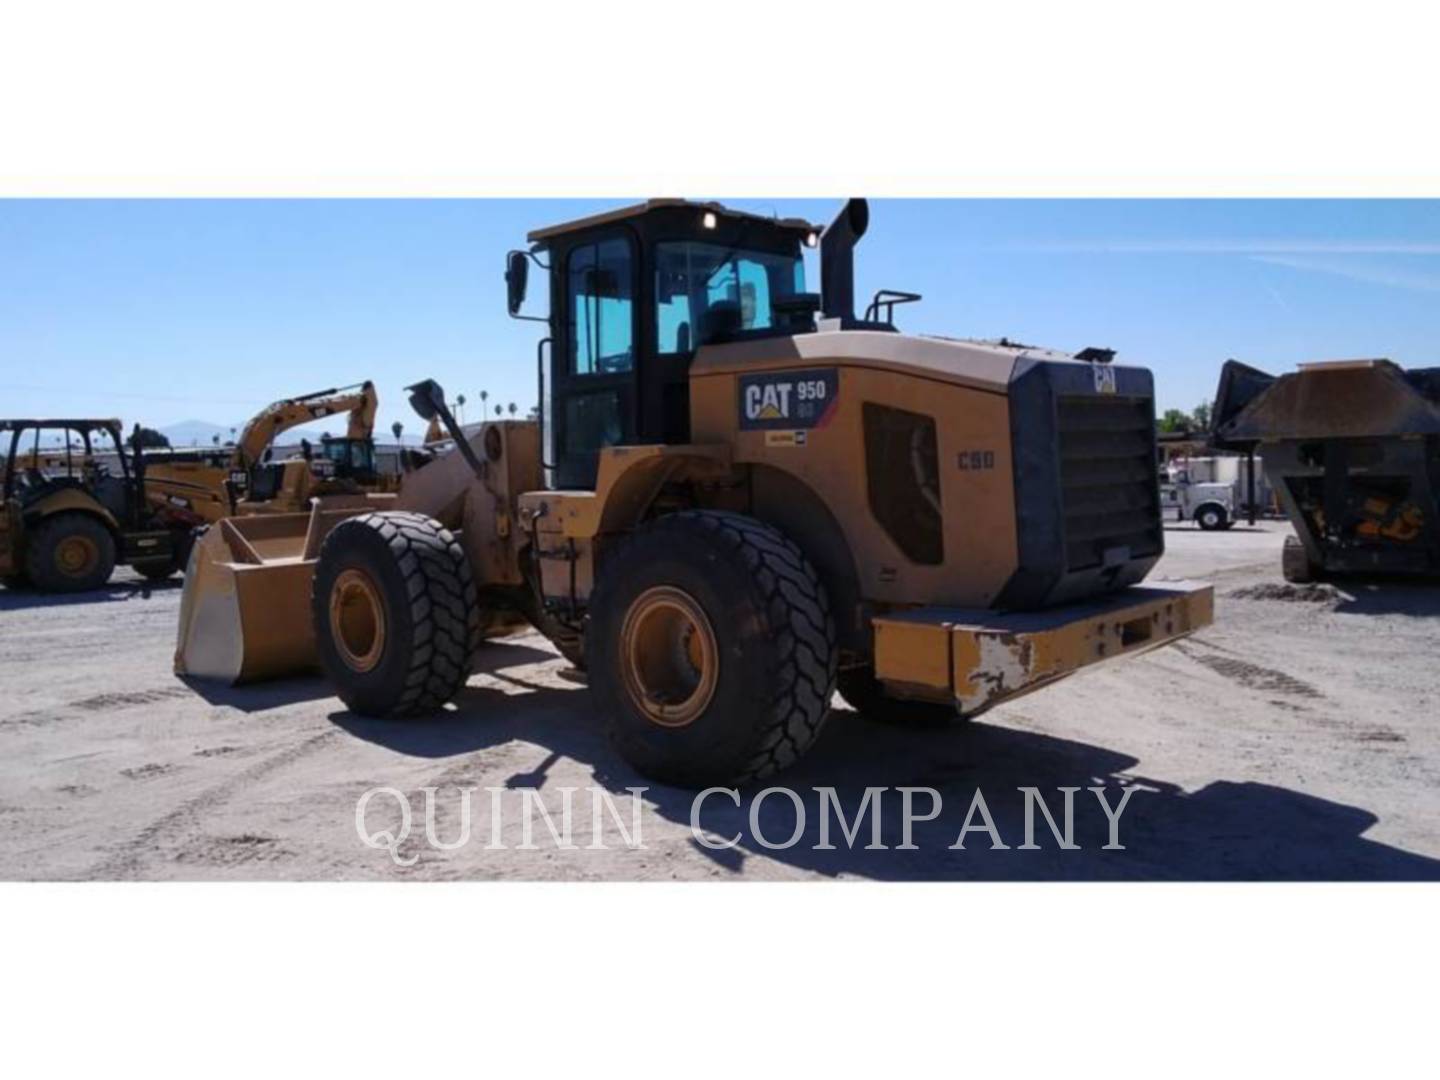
(742, 497)
(67, 518)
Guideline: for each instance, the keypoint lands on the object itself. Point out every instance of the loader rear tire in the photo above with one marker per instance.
(865, 694)
(395, 614)
(69, 552)
(710, 649)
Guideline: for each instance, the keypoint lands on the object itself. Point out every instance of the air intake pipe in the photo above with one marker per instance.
(837, 260)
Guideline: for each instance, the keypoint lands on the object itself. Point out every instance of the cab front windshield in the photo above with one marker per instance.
(701, 286)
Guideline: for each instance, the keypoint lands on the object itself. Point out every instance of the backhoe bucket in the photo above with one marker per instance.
(245, 612)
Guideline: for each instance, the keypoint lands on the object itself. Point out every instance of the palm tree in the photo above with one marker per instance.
(512, 408)
(396, 428)
(460, 407)
(215, 438)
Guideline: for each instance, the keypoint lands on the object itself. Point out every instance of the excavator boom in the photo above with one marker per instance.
(360, 401)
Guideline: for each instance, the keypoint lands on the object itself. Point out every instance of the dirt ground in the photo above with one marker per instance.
(1295, 739)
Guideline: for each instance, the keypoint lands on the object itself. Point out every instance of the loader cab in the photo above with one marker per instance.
(633, 294)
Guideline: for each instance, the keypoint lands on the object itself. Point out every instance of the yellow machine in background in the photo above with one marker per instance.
(199, 488)
(742, 498)
(67, 520)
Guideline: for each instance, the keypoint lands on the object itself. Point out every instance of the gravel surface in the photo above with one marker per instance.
(1295, 739)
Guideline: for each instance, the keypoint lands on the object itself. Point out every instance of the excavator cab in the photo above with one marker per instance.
(633, 294)
(350, 459)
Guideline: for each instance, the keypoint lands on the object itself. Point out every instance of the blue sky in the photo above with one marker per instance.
(169, 310)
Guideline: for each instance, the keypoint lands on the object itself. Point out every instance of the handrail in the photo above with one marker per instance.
(888, 298)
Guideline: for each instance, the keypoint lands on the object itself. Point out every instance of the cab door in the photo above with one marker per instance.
(595, 363)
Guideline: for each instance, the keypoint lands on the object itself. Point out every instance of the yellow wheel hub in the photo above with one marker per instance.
(357, 620)
(669, 659)
(76, 556)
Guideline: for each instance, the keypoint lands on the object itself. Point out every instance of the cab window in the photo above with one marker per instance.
(698, 285)
(600, 291)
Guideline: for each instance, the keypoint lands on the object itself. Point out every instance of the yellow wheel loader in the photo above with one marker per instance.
(67, 520)
(740, 497)
(199, 488)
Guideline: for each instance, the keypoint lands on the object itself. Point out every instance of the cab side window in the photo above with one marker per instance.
(600, 291)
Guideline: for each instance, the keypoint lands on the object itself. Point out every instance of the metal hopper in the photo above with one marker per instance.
(1353, 450)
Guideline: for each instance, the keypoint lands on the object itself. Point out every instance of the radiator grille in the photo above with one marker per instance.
(1108, 480)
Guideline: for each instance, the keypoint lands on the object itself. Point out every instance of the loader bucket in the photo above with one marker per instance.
(245, 612)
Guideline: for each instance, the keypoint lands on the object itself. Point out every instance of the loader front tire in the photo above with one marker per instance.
(395, 614)
(70, 552)
(710, 650)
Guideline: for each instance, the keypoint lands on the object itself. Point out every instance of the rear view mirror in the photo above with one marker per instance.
(517, 276)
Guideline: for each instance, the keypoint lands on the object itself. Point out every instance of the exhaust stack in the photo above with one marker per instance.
(837, 260)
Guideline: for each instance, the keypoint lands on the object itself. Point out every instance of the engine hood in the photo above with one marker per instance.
(984, 365)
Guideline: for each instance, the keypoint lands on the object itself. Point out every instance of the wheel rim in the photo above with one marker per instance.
(669, 658)
(357, 620)
(77, 556)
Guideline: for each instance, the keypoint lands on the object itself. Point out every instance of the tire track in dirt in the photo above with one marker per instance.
(97, 703)
(1251, 676)
(1269, 681)
(125, 861)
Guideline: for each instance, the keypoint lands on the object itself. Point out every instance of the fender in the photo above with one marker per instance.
(628, 480)
(68, 499)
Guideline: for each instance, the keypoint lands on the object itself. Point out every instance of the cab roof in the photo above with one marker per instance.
(77, 425)
(797, 225)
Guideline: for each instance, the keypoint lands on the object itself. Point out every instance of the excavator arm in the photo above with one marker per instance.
(360, 401)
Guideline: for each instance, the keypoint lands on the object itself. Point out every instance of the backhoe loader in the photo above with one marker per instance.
(197, 489)
(739, 497)
(67, 520)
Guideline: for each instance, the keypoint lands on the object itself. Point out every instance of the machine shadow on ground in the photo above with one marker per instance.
(1388, 596)
(1224, 831)
(24, 599)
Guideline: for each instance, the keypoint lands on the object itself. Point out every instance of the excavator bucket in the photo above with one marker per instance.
(245, 613)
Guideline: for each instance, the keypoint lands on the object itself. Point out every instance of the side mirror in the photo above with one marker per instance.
(517, 276)
(426, 398)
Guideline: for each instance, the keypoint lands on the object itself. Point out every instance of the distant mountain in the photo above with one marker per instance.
(195, 433)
